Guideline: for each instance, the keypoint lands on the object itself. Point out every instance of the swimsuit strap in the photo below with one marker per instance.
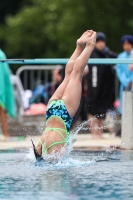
(65, 140)
(57, 130)
(55, 116)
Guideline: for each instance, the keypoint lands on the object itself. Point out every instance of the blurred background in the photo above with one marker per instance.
(38, 29)
(49, 29)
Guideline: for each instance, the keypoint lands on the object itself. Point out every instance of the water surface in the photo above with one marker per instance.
(84, 175)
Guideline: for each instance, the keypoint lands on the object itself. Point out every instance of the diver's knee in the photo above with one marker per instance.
(78, 66)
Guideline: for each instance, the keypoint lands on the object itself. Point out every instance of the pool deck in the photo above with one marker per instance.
(84, 141)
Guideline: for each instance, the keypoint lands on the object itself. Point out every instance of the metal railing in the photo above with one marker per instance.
(91, 61)
(35, 74)
(58, 61)
(64, 61)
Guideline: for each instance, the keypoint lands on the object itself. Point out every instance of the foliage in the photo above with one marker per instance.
(11, 7)
(49, 28)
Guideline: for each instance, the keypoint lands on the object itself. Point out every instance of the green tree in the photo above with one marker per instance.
(11, 7)
(49, 28)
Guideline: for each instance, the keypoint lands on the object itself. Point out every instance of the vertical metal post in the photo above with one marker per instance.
(25, 80)
(127, 119)
(31, 80)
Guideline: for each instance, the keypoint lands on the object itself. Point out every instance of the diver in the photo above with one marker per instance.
(64, 103)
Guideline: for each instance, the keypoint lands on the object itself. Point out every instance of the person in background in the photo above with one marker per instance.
(83, 113)
(131, 65)
(101, 86)
(7, 102)
(124, 71)
(57, 78)
(124, 74)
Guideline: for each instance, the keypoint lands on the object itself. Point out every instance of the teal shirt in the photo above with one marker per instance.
(124, 74)
(7, 100)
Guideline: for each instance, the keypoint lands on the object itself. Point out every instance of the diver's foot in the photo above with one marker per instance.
(91, 40)
(82, 40)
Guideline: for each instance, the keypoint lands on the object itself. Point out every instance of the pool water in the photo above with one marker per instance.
(84, 175)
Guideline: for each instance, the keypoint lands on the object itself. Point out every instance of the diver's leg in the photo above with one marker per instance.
(72, 94)
(69, 67)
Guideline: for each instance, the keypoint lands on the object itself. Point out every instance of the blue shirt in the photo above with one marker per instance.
(124, 74)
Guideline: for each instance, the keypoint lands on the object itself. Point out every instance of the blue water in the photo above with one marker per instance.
(84, 175)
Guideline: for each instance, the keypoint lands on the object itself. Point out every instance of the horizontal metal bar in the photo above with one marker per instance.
(64, 61)
(8, 60)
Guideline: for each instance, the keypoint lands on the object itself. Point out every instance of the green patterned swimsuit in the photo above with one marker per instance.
(58, 109)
